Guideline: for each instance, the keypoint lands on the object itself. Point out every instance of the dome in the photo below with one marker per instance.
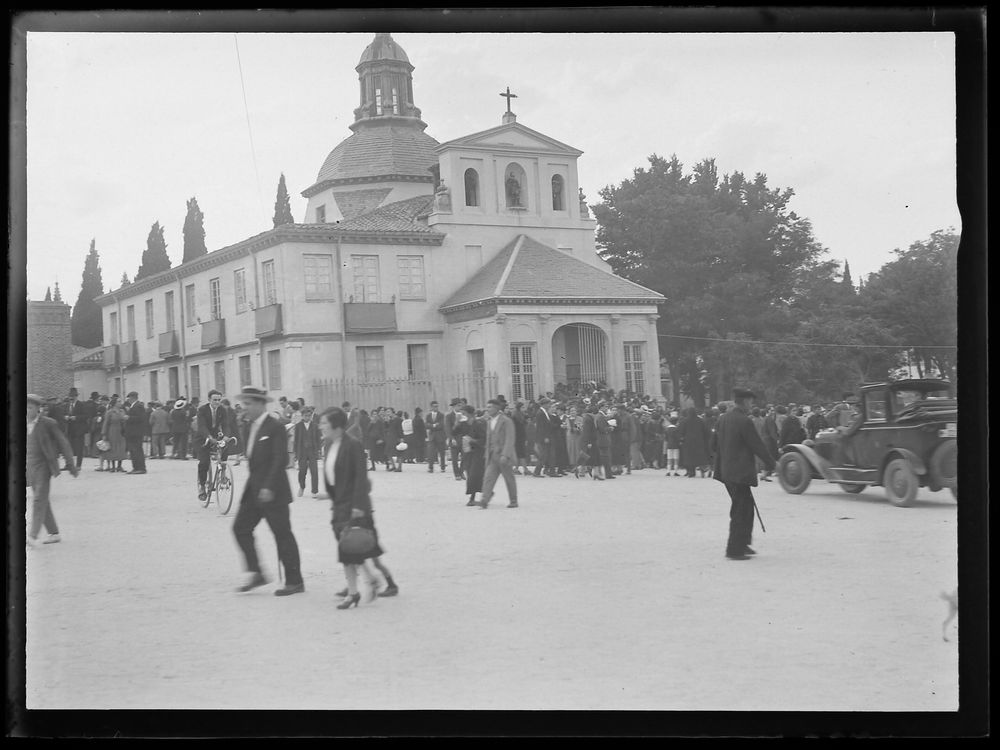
(383, 48)
(381, 150)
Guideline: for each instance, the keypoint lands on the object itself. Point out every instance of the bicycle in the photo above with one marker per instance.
(221, 483)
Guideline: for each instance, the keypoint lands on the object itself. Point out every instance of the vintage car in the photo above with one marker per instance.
(902, 438)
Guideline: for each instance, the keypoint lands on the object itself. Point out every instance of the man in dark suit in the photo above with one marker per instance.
(135, 430)
(543, 438)
(305, 446)
(77, 424)
(266, 494)
(436, 438)
(213, 422)
(450, 420)
(735, 442)
(45, 442)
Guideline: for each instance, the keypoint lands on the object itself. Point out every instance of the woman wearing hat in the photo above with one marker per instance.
(393, 440)
(470, 433)
(113, 433)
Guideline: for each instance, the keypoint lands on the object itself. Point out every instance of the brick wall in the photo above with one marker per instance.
(50, 353)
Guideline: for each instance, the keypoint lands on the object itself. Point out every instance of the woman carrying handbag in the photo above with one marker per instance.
(345, 473)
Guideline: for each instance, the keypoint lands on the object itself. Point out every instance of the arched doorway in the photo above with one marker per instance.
(579, 354)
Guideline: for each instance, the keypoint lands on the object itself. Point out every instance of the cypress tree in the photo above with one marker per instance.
(48, 294)
(154, 258)
(125, 281)
(57, 295)
(282, 205)
(194, 232)
(85, 322)
(848, 281)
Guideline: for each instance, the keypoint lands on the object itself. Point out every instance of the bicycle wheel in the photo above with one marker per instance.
(207, 498)
(224, 489)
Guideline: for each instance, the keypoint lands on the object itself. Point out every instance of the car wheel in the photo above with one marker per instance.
(900, 482)
(854, 489)
(943, 464)
(794, 473)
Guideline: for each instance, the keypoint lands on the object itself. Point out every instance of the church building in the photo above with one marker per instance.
(422, 270)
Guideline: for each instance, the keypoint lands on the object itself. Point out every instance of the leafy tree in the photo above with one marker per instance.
(194, 232)
(915, 297)
(85, 322)
(726, 253)
(154, 258)
(282, 205)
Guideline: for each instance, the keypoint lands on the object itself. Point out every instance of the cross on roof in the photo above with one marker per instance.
(508, 96)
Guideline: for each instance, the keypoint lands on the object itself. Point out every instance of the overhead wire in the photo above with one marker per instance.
(246, 110)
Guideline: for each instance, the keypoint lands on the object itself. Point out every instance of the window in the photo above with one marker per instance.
(274, 369)
(189, 309)
(395, 102)
(168, 299)
(321, 214)
(378, 101)
(195, 382)
(371, 363)
(270, 289)
(245, 371)
(130, 322)
(875, 406)
(366, 286)
(522, 370)
(240, 289)
(113, 325)
(514, 183)
(154, 385)
(318, 276)
(220, 375)
(411, 277)
(173, 382)
(471, 187)
(149, 319)
(557, 193)
(215, 298)
(417, 365)
(634, 379)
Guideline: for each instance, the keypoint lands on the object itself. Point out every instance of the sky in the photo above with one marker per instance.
(124, 128)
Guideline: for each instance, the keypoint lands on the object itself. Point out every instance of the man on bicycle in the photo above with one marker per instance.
(214, 422)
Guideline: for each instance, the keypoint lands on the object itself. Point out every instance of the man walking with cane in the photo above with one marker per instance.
(735, 442)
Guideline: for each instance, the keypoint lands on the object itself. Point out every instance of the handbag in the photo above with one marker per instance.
(103, 445)
(401, 445)
(356, 540)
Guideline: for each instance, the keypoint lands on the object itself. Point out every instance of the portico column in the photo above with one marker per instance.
(545, 374)
(616, 357)
(503, 358)
(652, 366)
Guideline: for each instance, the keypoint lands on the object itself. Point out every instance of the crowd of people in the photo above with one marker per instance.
(596, 433)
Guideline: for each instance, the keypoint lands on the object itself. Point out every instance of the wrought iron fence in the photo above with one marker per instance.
(405, 393)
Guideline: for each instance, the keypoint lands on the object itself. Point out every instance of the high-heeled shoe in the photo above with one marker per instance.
(351, 601)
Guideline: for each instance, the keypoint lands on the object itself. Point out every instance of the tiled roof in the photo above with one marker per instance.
(355, 202)
(383, 48)
(377, 149)
(401, 216)
(527, 269)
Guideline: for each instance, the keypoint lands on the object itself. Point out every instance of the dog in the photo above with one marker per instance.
(952, 600)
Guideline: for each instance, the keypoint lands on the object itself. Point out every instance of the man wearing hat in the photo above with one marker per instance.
(543, 438)
(45, 442)
(77, 424)
(266, 494)
(180, 425)
(500, 454)
(135, 431)
(450, 419)
(735, 442)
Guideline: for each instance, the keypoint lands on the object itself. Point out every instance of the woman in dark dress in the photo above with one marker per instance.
(619, 440)
(352, 505)
(415, 443)
(471, 436)
(393, 437)
(604, 440)
(375, 439)
(560, 452)
(694, 441)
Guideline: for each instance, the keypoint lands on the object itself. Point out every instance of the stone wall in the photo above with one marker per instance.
(50, 353)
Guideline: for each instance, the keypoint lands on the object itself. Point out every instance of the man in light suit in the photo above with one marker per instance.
(45, 442)
(500, 454)
(266, 494)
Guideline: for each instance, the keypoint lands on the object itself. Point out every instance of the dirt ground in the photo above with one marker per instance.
(591, 595)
